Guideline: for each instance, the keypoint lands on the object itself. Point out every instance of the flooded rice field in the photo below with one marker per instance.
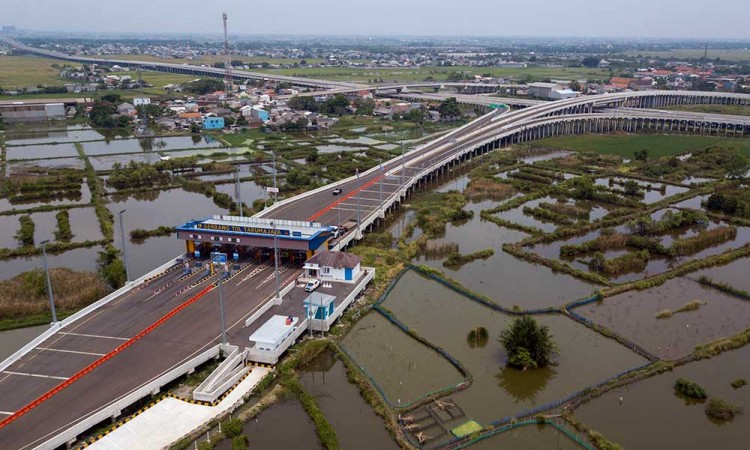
(83, 224)
(507, 280)
(47, 135)
(529, 437)
(633, 316)
(59, 163)
(148, 145)
(356, 424)
(83, 259)
(403, 368)
(652, 192)
(446, 318)
(271, 429)
(651, 416)
(735, 274)
(66, 150)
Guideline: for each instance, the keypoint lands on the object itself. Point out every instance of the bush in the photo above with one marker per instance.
(25, 234)
(232, 428)
(738, 383)
(689, 389)
(722, 410)
(239, 442)
(111, 267)
(528, 344)
(63, 232)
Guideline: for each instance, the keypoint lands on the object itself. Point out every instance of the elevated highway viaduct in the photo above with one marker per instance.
(39, 415)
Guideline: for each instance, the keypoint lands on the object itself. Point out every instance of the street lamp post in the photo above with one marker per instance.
(359, 191)
(380, 161)
(276, 259)
(124, 246)
(275, 189)
(238, 192)
(49, 284)
(221, 306)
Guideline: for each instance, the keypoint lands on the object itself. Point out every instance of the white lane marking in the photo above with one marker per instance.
(35, 375)
(70, 351)
(68, 333)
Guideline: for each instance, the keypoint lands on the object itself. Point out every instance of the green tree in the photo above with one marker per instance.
(737, 166)
(111, 267)
(365, 106)
(337, 105)
(303, 103)
(204, 86)
(583, 188)
(449, 109)
(689, 388)
(528, 344)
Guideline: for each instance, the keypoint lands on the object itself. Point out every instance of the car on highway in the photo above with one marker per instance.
(312, 285)
(336, 191)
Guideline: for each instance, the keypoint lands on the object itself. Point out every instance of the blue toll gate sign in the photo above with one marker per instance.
(218, 258)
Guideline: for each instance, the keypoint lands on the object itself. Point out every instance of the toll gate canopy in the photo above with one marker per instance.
(255, 233)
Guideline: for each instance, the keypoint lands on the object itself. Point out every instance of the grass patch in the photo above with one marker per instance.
(722, 410)
(724, 287)
(456, 260)
(23, 298)
(689, 388)
(626, 145)
(738, 383)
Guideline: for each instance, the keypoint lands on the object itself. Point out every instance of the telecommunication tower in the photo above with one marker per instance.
(227, 61)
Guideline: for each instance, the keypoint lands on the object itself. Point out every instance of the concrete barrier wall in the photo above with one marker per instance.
(285, 290)
(55, 327)
(115, 408)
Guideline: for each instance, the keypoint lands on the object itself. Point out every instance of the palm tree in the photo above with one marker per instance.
(529, 345)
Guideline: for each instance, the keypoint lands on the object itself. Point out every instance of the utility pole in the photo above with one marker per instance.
(380, 161)
(359, 191)
(221, 306)
(403, 166)
(49, 284)
(124, 246)
(237, 191)
(275, 189)
(276, 259)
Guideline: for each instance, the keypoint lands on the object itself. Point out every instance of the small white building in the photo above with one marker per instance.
(559, 94)
(542, 90)
(138, 101)
(273, 333)
(333, 266)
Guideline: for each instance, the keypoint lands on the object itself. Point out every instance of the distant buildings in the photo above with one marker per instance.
(542, 90)
(213, 123)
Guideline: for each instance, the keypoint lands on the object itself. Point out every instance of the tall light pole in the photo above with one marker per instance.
(221, 305)
(403, 166)
(49, 284)
(276, 259)
(124, 246)
(359, 190)
(380, 161)
(237, 191)
(275, 189)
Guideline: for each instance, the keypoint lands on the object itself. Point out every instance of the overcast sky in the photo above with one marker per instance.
(634, 18)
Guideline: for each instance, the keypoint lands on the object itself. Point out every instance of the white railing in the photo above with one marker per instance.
(115, 408)
(325, 325)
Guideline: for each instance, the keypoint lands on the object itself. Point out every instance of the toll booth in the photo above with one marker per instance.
(241, 237)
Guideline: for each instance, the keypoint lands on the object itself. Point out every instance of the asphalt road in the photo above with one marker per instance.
(188, 333)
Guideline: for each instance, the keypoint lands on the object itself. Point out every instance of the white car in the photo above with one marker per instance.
(312, 285)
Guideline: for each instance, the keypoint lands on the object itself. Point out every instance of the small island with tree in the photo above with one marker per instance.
(529, 344)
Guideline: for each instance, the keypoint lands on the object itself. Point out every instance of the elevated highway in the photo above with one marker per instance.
(183, 69)
(51, 389)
